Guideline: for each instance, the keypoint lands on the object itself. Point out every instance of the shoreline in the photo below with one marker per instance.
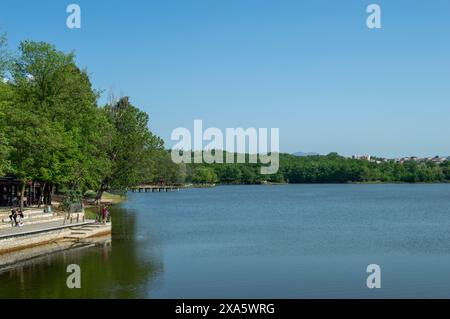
(56, 233)
(336, 183)
(16, 258)
(52, 235)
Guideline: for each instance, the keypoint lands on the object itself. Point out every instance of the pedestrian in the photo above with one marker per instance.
(13, 217)
(21, 218)
(104, 214)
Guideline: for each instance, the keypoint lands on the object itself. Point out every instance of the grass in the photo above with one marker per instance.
(112, 198)
(91, 212)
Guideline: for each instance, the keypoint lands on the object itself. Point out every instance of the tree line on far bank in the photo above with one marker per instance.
(331, 168)
(53, 130)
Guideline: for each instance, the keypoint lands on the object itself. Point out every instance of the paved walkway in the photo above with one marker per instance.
(39, 227)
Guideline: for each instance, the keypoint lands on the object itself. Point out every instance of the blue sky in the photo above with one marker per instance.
(311, 68)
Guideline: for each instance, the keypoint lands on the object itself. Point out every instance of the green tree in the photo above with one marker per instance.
(204, 175)
(5, 98)
(5, 149)
(129, 146)
(54, 125)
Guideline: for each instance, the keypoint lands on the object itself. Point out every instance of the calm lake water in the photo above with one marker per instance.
(293, 241)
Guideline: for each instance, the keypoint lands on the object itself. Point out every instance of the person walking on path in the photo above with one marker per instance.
(13, 216)
(105, 214)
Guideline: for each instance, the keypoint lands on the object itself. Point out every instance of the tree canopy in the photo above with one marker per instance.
(53, 130)
(331, 168)
(130, 146)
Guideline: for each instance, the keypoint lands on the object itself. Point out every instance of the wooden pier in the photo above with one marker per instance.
(154, 189)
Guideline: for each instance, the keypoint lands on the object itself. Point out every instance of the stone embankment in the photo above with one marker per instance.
(41, 228)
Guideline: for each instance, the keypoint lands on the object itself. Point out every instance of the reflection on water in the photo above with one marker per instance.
(37, 254)
(109, 269)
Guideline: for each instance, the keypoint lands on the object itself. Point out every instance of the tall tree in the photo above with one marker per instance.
(55, 127)
(5, 98)
(130, 144)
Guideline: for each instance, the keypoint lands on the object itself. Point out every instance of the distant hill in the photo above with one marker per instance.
(305, 154)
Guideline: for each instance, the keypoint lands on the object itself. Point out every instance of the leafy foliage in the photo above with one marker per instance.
(325, 169)
(130, 146)
(55, 132)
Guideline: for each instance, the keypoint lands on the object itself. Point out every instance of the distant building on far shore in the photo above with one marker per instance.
(362, 157)
(379, 160)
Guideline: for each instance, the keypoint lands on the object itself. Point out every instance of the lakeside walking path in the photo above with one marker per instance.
(21, 244)
(41, 228)
(37, 228)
